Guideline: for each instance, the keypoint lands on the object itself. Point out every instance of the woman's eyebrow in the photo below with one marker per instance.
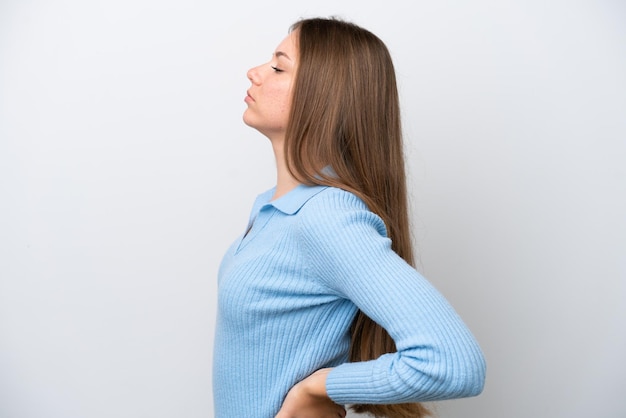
(278, 54)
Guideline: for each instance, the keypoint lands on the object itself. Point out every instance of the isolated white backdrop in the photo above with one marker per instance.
(125, 172)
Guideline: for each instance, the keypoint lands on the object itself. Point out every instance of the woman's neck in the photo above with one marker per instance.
(285, 182)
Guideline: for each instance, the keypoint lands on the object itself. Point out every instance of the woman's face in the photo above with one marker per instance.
(269, 97)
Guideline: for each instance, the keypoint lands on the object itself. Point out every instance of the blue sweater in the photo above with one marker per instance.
(289, 290)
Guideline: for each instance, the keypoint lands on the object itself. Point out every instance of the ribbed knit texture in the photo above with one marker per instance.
(289, 290)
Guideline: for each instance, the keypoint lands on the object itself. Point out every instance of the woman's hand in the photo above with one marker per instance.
(308, 399)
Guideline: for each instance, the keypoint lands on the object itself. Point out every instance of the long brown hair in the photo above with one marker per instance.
(345, 115)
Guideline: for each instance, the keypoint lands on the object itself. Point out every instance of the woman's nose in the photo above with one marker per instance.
(253, 75)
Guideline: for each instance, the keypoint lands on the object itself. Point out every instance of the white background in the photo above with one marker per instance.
(125, 172)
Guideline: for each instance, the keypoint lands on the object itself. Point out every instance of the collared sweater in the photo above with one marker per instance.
(289, 289)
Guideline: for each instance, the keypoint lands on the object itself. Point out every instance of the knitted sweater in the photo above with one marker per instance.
(289, 290)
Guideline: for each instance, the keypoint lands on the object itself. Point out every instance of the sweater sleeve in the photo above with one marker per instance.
(437, 358)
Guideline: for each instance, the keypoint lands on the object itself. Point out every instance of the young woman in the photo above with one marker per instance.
(319, 305)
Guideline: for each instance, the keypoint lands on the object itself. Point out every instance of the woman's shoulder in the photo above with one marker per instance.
(335, 199)
(334, 209)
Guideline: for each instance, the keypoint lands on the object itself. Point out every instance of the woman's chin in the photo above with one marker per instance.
(246, 119)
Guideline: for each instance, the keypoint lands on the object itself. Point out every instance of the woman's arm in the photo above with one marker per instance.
(437, 358)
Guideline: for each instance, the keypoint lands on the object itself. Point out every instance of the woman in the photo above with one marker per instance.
(319, 307)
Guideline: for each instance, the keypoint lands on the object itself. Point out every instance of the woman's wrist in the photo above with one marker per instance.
(315, 384)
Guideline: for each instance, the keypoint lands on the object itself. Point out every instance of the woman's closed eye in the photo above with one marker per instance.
(276, 69)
